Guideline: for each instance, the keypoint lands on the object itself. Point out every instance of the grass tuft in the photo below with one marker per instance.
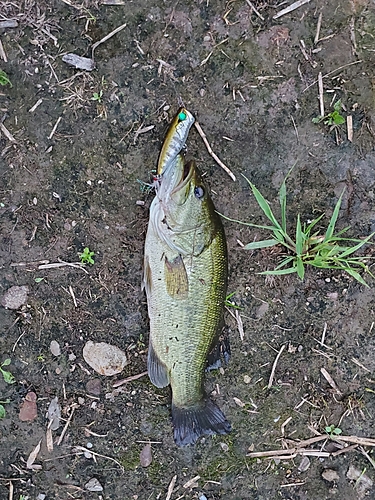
(309, 247)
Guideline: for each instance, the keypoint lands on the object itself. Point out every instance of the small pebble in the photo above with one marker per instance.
(93, 485)
(89, 445)
(15, 297)
(145, 457)
(81, 401)
(94, 386)
(55, 348)
(330, 475)
(246, 379)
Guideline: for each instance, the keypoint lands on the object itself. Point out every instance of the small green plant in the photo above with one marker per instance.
(41, 358)
(7, 376)
(87, 256)
(97, 96)
(4, 80)
(2, 409)
(332, 430)
(334, 118)
(230, 303)
(309, 248)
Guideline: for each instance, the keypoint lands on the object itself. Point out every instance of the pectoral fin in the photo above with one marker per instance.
(147, 280)
(176, 279)
(156, 370)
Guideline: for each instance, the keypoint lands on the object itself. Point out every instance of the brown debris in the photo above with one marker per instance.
(28, 411)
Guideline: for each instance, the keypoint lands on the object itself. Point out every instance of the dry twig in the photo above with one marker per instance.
(349, 126)
(330, 380)
(171, 487)
(320, 87)
(66, 425)
(290, 8)
(129, 379)
(274, 367)
(255, 10)
(209, 149)
(107, 37)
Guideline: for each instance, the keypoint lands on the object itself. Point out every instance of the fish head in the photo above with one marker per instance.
(190, 221)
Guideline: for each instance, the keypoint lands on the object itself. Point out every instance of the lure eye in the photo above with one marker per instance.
(182, 116)
(199, 192)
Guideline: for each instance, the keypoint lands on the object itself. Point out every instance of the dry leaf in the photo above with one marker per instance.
(79, 62)
(49, 439)
(54, 414)
(32, 457)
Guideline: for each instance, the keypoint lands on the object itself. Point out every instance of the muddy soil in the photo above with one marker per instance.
(74, 148)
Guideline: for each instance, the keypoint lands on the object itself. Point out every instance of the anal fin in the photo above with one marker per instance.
(156, 369)
(220, 353)
(147, 279)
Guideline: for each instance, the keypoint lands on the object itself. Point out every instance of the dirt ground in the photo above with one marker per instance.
(70, 170)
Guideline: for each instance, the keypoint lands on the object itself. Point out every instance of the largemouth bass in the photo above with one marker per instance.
(175, 139)
(185, 274)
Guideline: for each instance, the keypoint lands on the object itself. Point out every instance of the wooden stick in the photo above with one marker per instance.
(6, 132)
(209, 149)
(66, 426)
(349, 126)
(107, 37)
(330, 380)
(55, 127)
(274, 367)
(320, 87)
(129, 379)
(333, 71)
(318, 26)
(290, 8)
(2, 53)
(171, 487)
(255, 10)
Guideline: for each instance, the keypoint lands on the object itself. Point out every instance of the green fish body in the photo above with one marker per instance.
(185, 274)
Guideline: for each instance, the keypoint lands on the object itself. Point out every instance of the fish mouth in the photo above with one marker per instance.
(187, 174)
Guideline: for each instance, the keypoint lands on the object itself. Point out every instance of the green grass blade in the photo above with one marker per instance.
(282, 198)
(269, 228)
(332, 222)
(300, 237)
(264, 205)
(284, 262)
(279, 272)
(261, 244)
(300, 268)
(355, 275)
(351, 250)
(312, 224)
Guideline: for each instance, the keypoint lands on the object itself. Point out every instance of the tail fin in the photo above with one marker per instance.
(205, 418)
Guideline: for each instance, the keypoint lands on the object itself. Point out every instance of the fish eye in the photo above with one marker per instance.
(199, 192)
(182, 116)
